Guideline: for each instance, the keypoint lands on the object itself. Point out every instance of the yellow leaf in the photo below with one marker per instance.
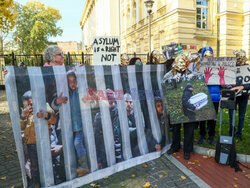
(160, 176)
(235, 185)
(183, 177)
(145, 166)
(7, 156)
(16, 150)
(235, 179)
(199, 165)
(248, 175)
(165, 173)
(3, 178)
(160, 167)
(106, 177)
(196, 161)
(189, 162)
(204, 156)
(190, 168)
(94, 185)
(147, 184)
(133, 175)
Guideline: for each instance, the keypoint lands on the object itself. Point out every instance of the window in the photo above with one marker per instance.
(202, 14)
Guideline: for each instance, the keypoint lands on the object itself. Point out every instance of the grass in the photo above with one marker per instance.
(242, 147)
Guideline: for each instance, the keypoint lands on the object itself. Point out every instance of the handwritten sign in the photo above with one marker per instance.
(219, 70)
(243, 74)
(106, 51)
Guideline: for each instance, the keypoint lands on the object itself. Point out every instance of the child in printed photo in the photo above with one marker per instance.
(29, 139)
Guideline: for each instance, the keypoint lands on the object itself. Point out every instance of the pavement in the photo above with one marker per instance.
(166, 171)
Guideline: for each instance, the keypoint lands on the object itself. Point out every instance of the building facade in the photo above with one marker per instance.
(70, 46)
(222, 24)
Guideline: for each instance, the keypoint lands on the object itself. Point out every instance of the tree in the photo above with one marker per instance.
(8, 14)
(35, 24)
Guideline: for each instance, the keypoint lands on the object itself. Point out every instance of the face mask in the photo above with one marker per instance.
(140, 63)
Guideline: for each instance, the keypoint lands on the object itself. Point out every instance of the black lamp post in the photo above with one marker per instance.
(149, 5)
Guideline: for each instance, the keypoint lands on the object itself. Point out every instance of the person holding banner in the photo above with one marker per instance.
(242, 99)
(214, 91)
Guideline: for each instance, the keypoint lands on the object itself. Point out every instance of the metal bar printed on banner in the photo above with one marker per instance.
(65, 120)
(11, 91)
(87, 123)
(105, 117)
(41, 127)
(127, 153)
(151, 104)
(140, 124)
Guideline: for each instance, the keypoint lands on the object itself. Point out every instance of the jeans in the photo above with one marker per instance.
(242, 103)
(78, 143)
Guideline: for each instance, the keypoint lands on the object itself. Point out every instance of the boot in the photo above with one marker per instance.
(202, 139)
(82, 166)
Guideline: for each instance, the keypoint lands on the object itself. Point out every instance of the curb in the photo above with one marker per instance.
(196, 179)
(211, 153)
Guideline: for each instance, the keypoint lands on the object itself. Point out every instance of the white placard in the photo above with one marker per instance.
(243, 74)
(219, 70)
(106, 51)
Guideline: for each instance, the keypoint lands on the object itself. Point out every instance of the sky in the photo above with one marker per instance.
(71, 12)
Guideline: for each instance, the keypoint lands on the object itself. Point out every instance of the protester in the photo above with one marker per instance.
(154, 57)
(53, 55)
(100, 147)
(241, 100)
(135, 61)
(27, 125)
(214, 91)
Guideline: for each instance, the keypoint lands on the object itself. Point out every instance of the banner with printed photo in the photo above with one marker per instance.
(171, 50)
(243, 74)
(219, 70)
(188, 99)
(74, 125)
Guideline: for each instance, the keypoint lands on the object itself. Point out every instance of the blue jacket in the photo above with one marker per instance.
(214, 91)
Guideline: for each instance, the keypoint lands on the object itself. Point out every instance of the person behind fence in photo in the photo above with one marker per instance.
(214, 91)
(132, 125)
(242, 100)
(76, 123)
(27, 125)
(101, 153)
(188, 108)
(160, 115)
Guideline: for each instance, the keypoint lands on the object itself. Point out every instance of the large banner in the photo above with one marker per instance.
(243, 74)
(74, 125)
(219, 70)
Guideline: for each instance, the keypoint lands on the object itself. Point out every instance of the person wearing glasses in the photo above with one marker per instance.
(53, 56)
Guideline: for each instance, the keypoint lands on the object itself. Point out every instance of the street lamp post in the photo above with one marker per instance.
(149, 5)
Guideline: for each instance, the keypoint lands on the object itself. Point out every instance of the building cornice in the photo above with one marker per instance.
(158, 19)
(86, 11)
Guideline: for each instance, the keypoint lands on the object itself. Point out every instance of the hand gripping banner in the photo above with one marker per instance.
(74, 125)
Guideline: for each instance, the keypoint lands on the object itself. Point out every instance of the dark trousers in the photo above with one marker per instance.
(188, 137)
(32, 153)
(242, 103)
(210, 124)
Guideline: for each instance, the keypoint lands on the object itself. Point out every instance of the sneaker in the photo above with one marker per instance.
(171, 151)
(211, 140)
(202, 139)
(186, 155)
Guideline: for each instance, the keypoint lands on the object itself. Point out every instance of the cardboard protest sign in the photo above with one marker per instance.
(70, 122)
(243, 74)
(219, 70)
(171, 50)
(188, 100)
(106, 51)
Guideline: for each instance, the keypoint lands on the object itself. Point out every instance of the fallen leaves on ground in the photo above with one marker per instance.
(235, 185)
(106, 177)
(183, 177)
(133, 175)
(7, 156)
(204, 156)
(165, 173)
(3, 178)
(160, 167)
(145, 166)
(160, 176)
(189, 162)
(235, 179)
(147, 184)
(94, 185)
(248, 175)
(196, 161)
